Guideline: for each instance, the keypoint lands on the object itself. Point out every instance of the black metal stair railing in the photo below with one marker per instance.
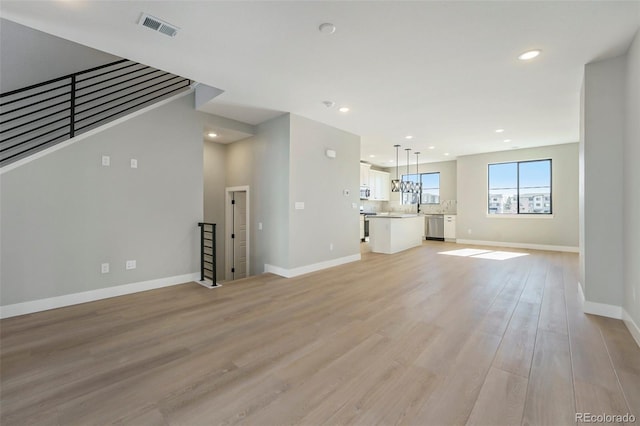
(208, 252)
(42, 115)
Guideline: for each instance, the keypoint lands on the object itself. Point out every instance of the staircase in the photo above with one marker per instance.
(42, 115)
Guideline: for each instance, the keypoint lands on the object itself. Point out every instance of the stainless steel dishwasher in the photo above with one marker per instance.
(435, 227)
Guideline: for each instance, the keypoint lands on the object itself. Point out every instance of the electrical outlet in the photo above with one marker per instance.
(131, 264)
(106, 160)
(330, 246)
(299, 205)
(134, 163)
(469, 231)
(104, 268)
(259, 226)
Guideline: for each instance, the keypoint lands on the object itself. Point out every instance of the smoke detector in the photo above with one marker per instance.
(327, 28)
(158, 25)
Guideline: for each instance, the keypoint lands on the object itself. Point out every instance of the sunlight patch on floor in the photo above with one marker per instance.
(484, 254)
(464, 252)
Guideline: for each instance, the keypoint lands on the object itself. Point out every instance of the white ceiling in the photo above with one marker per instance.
(444, 71)
(223, 134)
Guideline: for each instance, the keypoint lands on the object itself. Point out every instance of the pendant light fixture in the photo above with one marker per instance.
(395, 183)
(418, 186)
(407, 185)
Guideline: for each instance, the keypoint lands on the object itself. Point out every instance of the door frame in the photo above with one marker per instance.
(228, 229)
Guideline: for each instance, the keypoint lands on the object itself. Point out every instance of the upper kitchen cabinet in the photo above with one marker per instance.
(380, 185)
(365, 170)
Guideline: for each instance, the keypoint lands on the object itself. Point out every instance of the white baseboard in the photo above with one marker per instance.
(290, 273)
(595, 308)
(610, 311)
(548, 247)
(602, 309)
(631, 325)
(209, 284)
(581, 298)
(92, 295)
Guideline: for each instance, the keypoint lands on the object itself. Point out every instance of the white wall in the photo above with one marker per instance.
(262, 163)
(215, 180)
(284, 163)
(64, 214)
(631, 184)
(602, 200)
(581, 174)
(329, 217)
(560, 230)
(215, 171)
(28, 56)
(609, 191)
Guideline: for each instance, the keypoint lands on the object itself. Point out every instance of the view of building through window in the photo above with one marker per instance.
(522, 187)
(430, 193)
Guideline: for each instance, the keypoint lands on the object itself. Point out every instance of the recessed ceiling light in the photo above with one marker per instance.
(507, 140)
(372, 156)
(344, 109)
(327, 28)
(432, 147)
(408, 137)
(529, 54)
(499, 130)
(212, 135)
(446, 154)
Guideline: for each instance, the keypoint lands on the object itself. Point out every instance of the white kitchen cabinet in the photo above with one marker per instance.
(394, 233)
(380, 185)
(450, 227)
(365, 170)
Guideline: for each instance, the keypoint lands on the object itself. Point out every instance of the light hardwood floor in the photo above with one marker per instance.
(414, 338)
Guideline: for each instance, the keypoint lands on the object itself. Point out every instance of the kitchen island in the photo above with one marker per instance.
(394, 233)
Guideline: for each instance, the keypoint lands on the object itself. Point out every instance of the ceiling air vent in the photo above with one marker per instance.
(159, 25)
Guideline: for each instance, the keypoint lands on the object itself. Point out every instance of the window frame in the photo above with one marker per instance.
(518, 213)
(420, 197)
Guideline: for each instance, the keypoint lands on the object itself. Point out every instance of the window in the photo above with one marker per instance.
(522, 187)
(430, 189)
(410, 197)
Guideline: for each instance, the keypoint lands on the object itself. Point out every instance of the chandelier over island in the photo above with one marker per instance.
(407, 185)
(395, 183)
(418, 185)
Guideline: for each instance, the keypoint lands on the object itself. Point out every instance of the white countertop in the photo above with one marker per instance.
(393, 216)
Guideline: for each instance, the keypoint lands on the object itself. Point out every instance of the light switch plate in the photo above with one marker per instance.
(104, 268)
(134, 163)
(299, 205)
(131, 264)
(106, 160)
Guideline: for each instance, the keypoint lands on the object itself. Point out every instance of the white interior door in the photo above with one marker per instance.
(239, 239)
